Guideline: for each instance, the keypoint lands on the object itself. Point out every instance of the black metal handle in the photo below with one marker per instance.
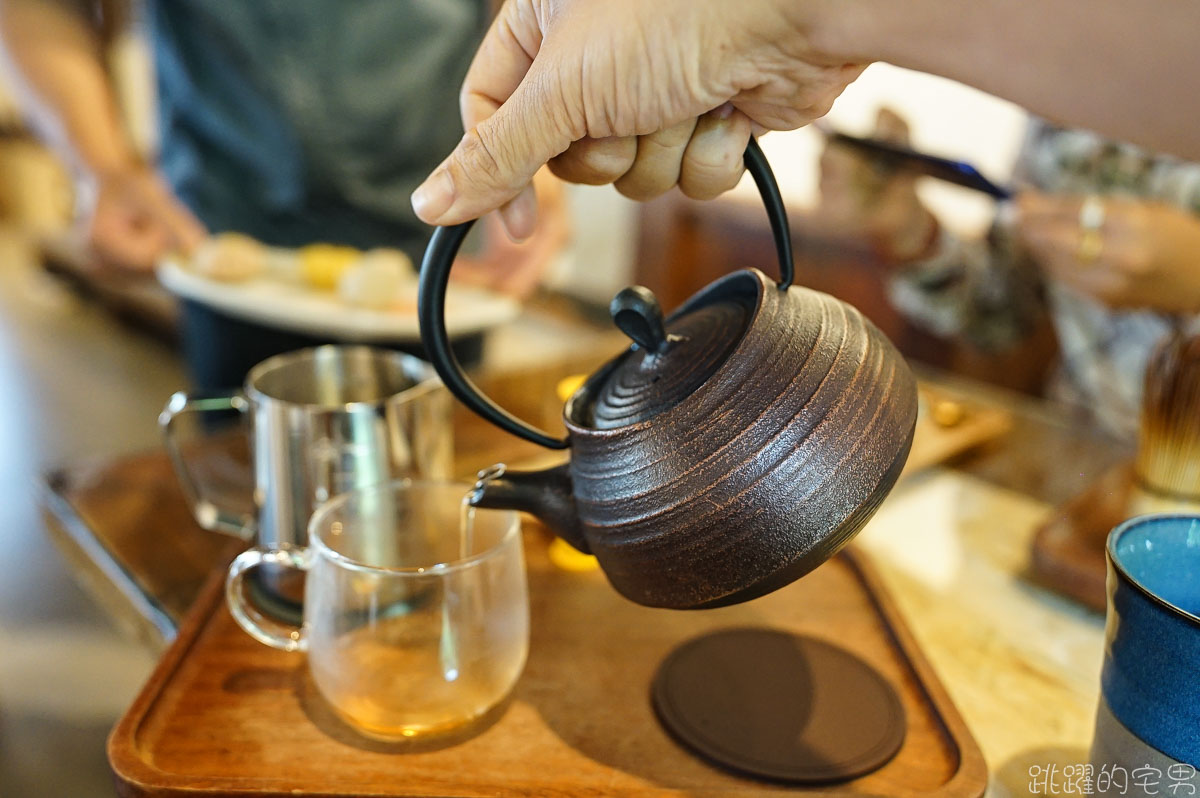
(435, 276)
(768, 188)
(431, 313)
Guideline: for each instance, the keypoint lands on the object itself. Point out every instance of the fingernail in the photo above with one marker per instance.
(433, 197)
(519, 215)
(725, 111)
(517, 223)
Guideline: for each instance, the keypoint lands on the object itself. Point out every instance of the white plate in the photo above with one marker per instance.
(297, 308)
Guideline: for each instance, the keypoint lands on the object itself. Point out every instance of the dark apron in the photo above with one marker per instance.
(298, 121)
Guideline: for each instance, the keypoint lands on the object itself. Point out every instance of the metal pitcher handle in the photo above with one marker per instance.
(435, 276)
(207, 513)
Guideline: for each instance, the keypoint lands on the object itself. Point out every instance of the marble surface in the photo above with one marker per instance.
(1021, 663)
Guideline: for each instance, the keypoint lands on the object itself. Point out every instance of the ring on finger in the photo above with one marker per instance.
(1091, 220)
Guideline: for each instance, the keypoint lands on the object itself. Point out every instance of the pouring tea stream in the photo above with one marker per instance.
(733, 447)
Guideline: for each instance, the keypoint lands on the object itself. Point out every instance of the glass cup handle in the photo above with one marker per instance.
(261, 627)
(205, 511)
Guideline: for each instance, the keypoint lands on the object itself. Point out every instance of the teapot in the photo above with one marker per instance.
(733, 447)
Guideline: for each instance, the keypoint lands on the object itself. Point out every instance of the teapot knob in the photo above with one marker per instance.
(635, 310)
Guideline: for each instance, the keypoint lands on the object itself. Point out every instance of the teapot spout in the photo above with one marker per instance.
(545, 494)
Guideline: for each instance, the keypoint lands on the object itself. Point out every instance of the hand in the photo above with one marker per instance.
(1148, 252)
(702, 155)
(863, 200)
(134, 220)
(552, 72)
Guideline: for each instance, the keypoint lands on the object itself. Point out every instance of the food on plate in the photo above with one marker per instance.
(230, 257)
(377, 280)
(395, 259)
(322, 265)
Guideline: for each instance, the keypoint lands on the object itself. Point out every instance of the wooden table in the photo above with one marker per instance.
(951, 545)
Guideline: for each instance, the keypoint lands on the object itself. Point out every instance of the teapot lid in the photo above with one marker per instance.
(668, 361)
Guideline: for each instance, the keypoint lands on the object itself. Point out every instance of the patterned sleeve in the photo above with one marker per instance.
(983, 291)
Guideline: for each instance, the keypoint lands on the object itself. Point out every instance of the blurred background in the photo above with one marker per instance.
(88, 356)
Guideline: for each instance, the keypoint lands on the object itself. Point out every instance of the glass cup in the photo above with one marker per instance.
(416, 612)
(321, 422)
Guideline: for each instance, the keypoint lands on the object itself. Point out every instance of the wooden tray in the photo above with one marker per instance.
(223, 715)
(1067, 554)
(125, 528)
(941, 437)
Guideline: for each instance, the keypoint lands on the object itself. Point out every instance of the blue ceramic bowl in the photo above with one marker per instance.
(1151, 675)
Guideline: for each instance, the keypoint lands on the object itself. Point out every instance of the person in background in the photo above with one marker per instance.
(1103, 235)
(291, 121)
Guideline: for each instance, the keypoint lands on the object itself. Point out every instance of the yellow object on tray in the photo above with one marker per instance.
(568, 558)
(321, 265)
(567, 386)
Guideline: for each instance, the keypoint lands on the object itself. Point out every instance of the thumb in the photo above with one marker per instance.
(497, 159)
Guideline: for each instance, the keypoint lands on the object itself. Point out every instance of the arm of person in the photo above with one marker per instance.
(1129, 71)
(54, 55)
(550, 75)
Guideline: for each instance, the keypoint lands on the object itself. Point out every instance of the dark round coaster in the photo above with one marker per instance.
(779, 706)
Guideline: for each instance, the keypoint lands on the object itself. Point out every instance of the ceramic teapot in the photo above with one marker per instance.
(732, 448)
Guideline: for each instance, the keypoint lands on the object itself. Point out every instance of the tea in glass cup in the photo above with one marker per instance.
(416, 614)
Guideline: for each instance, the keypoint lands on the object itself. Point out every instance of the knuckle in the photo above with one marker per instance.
(821, 105)
(564, 169)
(705, 182)
(480, 162)
(666, 144)
(466, 106)
(723, 159)
(705, 191)
(654, 172)
(558, 106)
(579, 170)
(595, 162)
(484, 149)
(826, 105)
(641, 190)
